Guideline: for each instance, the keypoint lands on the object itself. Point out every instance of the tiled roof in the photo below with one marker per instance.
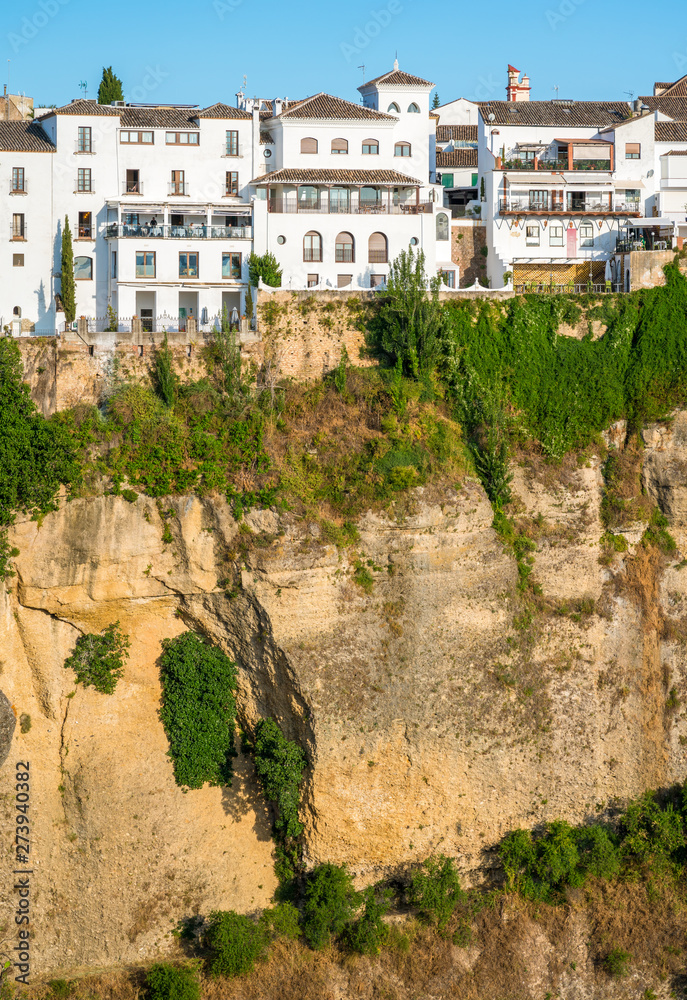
(266, 138)
(433, 114)
(24, 137)
(463, 133)
(676, 152)
(670, 132)
(677, 89)
(458, 158)
(662, 86)
(325, 106)
(159, 117)
(397, 78)
(674, 107)
(586, 114)
(312, 176)
(224, 111)
(83, 108)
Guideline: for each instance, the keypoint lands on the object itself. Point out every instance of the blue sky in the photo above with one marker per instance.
(199, 52)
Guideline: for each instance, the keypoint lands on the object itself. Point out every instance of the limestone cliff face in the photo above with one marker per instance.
(435, 715)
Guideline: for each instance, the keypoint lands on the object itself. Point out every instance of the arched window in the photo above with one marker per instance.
(339, 145)
(345, 250)
(312, 247)
(308, 197)
(402, 149)
(413, 109)
(442, 226)
(370, 147)
(308, 145)
(83, 268)
(378, 249)
(394, 109)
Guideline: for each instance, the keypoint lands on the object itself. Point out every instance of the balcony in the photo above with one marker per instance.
(583, 206)
(178, 189)
(289, 206)
(640, 245)
(189, 232)
(555, 165)
(377, 257)
(18, 232)
(84, 147)
(132, 187)
(19, 189)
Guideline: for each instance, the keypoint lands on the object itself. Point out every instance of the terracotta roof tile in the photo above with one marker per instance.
(312, 176)
(462, 133)
(24, 137)
(83, 108)
(677, 89)
(224, 111)
(266, 138)
(397, 78)
(589, 114)
(670, 131)
(674, 107)
(159, 117)
(325, 106)
(457, 158)
(676, 152)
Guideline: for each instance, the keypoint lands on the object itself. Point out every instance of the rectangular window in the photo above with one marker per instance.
(145, 264)
(231, 265)
(448, 278)
(188, 265)
(131, 219)
(85, 225)
(313, 280)
(140, 138)
(232, 143)
(232, 184)
(344, 280)
(18, 180)
(633, 150)
(632, 196)
(539, 200)
(532, 236)
(18, 227)
(555, 235)
(84, 141)
(178, 185)
(17, 260)
(113, 264)
(83, 182)
(376, 280)
(133, 184)
(182, 138)
(587, 234)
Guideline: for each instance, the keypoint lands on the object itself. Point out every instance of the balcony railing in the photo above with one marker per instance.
(587, 206)
(344, 255)
(536, 288)
(288, 206)
(178, 188)
(132, 187)
(555, 165)
(631, 246)
(16, 189)
(84, 146)
(190, 232)
(378, 257)
(18, 232)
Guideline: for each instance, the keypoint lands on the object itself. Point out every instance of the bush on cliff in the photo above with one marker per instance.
(198, 710)
(169, 982)
(280, 764)
(98, 659)
(435, 890)
(330, 901)
(235, 942)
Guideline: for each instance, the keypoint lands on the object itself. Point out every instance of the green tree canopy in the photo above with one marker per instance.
(68, 285)
(265, 267)
(110, 88)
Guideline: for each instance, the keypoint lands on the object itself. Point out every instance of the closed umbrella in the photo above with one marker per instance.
(204, 316)
(234, 316)
(609, 271)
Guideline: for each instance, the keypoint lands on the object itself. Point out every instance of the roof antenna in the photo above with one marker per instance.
(556, 89)
(84, 86)
(396, 61)
(363, 69)
(630, 94)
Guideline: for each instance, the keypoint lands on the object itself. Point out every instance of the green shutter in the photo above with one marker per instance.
(475, 178)
(447, 180)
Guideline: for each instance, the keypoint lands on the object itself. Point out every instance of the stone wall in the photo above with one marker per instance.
(468, 238)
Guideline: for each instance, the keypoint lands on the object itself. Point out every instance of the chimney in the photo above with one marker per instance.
(277, 106)
(517, 91)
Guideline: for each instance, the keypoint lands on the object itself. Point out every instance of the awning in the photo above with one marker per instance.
(649, 223)
(628, 185)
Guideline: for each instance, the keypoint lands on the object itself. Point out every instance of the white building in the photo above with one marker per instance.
(166, 203)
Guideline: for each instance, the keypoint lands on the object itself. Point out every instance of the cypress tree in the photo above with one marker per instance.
(436, 103)
(110, 88)
(68, 285)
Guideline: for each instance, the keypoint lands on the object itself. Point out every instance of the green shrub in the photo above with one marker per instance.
(330, 901)
(168, 982)
(435, 890)
(617, 963)
(60, 988)
(165, 380)
(7, 554)
(198, 710)
(368, 933)
(131, 496)
(657, 534)
(235, 942)
(25, 722)
(98, 660)
(650, 834)
(280, 764)
(283, 920)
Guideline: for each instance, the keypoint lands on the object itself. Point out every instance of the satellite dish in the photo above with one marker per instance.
(492, 116)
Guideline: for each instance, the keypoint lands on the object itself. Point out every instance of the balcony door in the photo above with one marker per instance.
(133, 185)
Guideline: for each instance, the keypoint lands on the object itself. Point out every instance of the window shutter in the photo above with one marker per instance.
(339, 145)
(377, 241)
(308, 145)
(632, 148)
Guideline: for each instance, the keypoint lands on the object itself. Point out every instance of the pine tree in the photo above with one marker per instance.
(436, 103)
(68, 286)
(110, 88)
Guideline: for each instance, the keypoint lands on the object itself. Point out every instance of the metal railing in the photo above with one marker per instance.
(344, 255)
(540, 288)
(18, 232)
(84, 147)
(633, 246)
(132, 187)
(178, 188)
(190, 232)
(516, 163)
(292, 207)
(24, 189)
(586, 206)
(378, 257)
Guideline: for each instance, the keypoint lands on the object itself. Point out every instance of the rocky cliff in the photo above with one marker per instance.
(436, 712)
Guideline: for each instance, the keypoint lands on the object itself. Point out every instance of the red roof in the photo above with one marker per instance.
(512, 69)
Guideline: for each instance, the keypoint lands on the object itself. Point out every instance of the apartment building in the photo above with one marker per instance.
(166, 203)
(569, 183)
